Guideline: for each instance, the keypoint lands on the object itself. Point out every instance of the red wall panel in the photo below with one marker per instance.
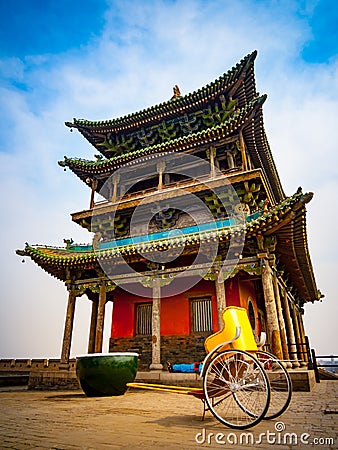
(175, 310)
(232, 292)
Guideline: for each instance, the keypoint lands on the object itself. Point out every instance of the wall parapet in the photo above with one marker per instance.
(27, 365)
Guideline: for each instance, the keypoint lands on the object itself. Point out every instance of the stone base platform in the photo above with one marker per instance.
(302, 380)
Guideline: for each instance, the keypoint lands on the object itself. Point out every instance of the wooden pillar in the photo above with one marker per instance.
(289, 331)
(273, 333)
(160, 170)
(100, 319)
(92, 194)
(243, 151)
(116, 179)
(211, 154)
(230, 160)
(220, 297)
(92, 330)
(68, 330)
(156, 327)
(297, 335)
(281, 321)
(303, 338)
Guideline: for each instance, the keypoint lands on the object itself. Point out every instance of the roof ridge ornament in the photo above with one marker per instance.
(177, 92)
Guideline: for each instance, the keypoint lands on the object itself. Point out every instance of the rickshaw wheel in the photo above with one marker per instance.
(280, 384)
(236, 389)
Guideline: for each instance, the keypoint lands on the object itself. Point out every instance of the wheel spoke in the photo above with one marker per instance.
(236, 389)
(280, 384)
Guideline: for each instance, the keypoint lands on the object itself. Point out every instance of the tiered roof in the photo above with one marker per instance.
(217, 111)
(83, 168)
(239, 79)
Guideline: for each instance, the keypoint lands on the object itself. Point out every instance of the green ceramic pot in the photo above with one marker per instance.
(103, 374)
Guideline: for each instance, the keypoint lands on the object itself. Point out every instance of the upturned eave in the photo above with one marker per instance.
(285, 220)
(241, 73)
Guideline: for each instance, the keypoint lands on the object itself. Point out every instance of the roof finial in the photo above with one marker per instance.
(177, 92)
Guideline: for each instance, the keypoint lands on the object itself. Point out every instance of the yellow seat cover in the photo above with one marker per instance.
(233, 316)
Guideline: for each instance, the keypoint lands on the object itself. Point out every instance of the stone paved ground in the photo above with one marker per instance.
(151, 420)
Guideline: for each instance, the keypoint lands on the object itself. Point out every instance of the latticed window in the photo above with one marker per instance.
(201, 314)
(143, 318)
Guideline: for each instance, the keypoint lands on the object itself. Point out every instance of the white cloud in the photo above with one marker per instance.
(12, 68)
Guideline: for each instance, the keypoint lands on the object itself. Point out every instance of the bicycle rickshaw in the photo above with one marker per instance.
(242, 384)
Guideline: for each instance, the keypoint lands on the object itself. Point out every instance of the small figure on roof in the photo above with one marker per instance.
(242, 210)
(263, 205)
(69, 243)
(177, 92)
(97, 240)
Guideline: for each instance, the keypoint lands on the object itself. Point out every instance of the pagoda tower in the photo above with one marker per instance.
(188, 216)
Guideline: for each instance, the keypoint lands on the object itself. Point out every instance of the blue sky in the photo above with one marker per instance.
(101, 59)
(48, 27)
